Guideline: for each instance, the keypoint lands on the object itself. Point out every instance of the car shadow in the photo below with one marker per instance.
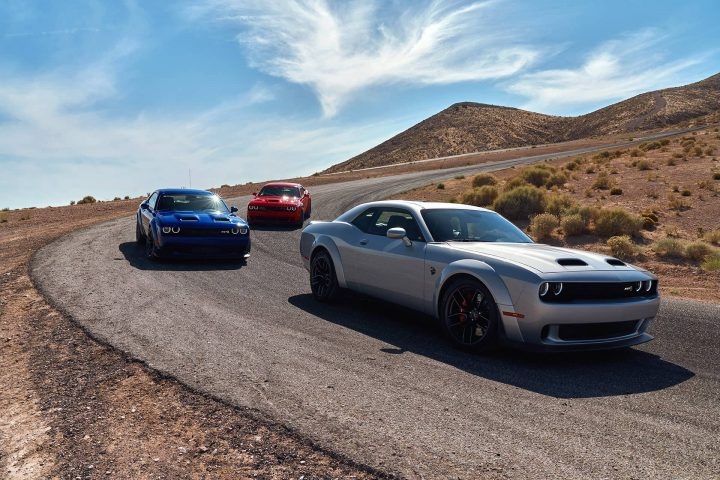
(561, 375)
(135, 255)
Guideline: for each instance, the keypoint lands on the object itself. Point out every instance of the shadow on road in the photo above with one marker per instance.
(135, 255)
(566, 375)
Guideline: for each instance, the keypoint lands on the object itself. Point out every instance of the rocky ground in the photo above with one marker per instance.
(71, 407)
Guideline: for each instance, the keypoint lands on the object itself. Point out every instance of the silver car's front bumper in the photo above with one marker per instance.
(581, 326)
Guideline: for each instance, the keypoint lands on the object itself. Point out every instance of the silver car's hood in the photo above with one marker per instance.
(540, 257)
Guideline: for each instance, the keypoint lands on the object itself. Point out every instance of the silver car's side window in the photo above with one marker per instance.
(377, 221)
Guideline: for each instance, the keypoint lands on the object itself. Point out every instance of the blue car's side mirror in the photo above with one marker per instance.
(144, 206)
(233, 209)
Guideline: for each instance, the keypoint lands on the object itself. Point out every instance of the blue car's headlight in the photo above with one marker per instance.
(170, 229)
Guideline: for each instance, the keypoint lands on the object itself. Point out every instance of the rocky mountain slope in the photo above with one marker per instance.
(474, 127)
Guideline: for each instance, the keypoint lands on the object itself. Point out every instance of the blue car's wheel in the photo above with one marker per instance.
(469, 315)
(150, 250)
(323, 281)
(139, 235)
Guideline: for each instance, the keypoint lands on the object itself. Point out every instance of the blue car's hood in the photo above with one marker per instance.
(199, 218)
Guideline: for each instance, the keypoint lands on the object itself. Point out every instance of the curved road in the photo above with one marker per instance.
(379, 383)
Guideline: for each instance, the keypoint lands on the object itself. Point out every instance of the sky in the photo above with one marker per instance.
(114, 98)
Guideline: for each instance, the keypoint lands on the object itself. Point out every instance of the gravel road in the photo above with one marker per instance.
(379, 383)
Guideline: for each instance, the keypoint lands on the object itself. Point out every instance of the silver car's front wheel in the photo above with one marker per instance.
(323, 282)
(469, 315)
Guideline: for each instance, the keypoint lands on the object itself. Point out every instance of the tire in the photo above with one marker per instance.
(323, 281)
(307, 214)
(301, 220)
(150, 250)
(139, 235)
(469, 315)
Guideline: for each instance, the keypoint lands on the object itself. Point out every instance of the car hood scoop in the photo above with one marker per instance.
(187, 218)
(545, 258)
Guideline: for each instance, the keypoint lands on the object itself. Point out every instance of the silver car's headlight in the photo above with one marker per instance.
(550, 288)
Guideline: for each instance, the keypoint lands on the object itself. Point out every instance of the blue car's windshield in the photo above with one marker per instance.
(191, 203)
(452, 224)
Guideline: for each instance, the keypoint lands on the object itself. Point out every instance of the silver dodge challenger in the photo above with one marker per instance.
(480, 276)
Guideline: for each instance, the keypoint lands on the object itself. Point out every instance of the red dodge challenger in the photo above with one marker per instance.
(280, 203)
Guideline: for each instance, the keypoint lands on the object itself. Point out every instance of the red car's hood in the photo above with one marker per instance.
(275, 199)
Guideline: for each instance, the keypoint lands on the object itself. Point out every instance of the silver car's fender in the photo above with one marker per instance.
(327, 243)
(478, 269)
(490, 278)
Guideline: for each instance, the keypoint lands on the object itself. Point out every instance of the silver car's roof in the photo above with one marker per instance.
(413, 205)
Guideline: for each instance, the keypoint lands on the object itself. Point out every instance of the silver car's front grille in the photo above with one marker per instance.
(581, 292)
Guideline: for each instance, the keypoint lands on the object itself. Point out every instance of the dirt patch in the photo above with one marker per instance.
(74, 408)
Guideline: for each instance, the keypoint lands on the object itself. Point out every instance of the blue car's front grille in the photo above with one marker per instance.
(206, 232)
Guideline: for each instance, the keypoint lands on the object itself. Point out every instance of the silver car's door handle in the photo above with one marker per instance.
(363, 241)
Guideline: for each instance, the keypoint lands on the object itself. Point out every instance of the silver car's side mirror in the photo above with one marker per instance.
(399, 233)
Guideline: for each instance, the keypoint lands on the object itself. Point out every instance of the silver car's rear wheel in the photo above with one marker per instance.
(470, 315)
(323, 281)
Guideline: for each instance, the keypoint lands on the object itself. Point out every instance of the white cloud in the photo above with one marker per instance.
(56, 145)
(341, 48)
(617, 70)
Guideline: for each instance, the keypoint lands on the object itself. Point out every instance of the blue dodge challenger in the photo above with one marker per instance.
(190, 223)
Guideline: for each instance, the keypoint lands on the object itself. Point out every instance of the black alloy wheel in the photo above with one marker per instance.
(323, 281)
(470, 315)
(150, 250)
(139, 236)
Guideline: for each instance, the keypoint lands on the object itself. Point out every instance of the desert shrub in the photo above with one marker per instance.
(514, 183)
(573, 225)
(602, 182)
(636, 153)
(573, 164)
(616, 191)
(650, 146)
(556, 180)
(712, 263)
(558, 204)
(671, 162)
(440, 186)
(698, 250)
(520, 203)
(716, 176)
(72, 202)
(87, 199)
(644, 164)
(648, 223)
(616, 221)
(621, 246)
(686, 192)
(459, 177)
(542, 225)
(669, 247)
(537, 176)
(483, 179)
(712, 237)
(480, 197)
(676, 203)
(126, 197)
(3, 217)
(698, 151)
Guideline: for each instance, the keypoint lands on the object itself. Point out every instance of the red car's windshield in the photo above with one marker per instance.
(279, 191)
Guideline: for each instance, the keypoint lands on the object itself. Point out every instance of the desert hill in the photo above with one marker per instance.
(474, 127)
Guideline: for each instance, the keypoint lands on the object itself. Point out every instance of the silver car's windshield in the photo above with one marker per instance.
(452, 224)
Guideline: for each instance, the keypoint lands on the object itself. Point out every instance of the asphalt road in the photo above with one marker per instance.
(379, 383)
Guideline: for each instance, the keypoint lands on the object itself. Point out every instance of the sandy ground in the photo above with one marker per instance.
(71, 407)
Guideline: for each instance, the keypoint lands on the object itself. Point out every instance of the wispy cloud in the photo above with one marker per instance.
(616, 70)
(340, 48)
